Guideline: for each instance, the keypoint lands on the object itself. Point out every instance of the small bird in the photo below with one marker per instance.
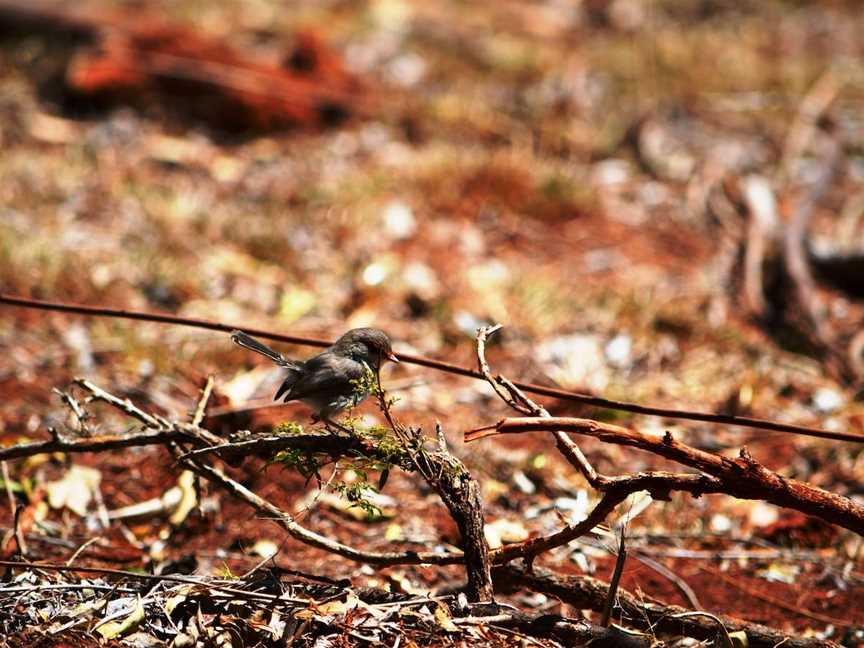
(333, 380)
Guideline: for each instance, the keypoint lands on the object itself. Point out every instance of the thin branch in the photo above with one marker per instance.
(313, 539)
(515, 398)
(439, 365)
(615, 491)
(201, 409)
(126, 406)
(76, 407)
(606, 615)
(92, 444)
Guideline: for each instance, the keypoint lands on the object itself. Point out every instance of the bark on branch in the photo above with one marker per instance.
(584, 592)
(740, 477)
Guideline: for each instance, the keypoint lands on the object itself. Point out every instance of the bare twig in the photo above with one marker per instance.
(76, 407)
(90, 444)
(81, 549)
(513, 396)
(197, 419)
(541, 390)
(606, 615)
(615, 491)
(156, 422)
(201, 408)
(23, 551)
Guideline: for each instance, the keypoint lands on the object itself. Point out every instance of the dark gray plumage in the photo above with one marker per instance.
(328, 382)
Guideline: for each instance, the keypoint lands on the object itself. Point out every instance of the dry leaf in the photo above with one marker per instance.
(119, 627)
(75, 490)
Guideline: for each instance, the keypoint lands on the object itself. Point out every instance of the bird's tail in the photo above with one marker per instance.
(248, 342)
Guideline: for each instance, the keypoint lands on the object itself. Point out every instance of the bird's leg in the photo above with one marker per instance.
(333, 426)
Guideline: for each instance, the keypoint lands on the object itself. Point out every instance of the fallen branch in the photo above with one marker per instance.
(584, 592)
(740, 477)
(295, 530)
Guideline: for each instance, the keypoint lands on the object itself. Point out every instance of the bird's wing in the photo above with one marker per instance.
(323, 374)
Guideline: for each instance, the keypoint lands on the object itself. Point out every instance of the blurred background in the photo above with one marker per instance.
(621, 183)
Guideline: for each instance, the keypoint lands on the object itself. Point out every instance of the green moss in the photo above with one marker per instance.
(288, 428)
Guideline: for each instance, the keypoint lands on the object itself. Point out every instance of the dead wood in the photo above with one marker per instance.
(588, 593)
(450, 479)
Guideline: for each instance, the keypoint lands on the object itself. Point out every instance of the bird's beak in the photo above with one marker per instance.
(392, 357)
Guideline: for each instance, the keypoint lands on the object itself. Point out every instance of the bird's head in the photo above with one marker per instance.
(368, 345)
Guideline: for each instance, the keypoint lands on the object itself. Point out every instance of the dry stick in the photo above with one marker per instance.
(76, 408)
(615, 491)
(201, 409)
(540, 390)
(314, 539)
(92, 444)
(741, 477)
(620, 559)
(585, 592)
(197, 417)
(23, 551)
(149, 420)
